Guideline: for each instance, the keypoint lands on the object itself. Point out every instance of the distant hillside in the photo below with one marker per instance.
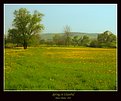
(51, 35)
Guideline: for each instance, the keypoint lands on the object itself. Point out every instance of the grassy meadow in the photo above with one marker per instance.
(60, 68)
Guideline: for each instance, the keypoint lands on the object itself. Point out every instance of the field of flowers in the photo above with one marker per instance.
(60, 68)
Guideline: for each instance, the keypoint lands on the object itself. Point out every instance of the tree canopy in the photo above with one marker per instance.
(25, 25)
(106, 39)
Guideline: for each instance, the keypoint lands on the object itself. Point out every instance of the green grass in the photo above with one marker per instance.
(59, 68)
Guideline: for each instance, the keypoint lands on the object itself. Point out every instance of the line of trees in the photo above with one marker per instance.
(27, 26)
(106, 39)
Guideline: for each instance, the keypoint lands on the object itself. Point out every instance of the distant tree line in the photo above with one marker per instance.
(106, 39)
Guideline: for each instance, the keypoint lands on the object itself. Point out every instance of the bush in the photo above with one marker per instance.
(112, 45)
(9, 45)
(94, 43)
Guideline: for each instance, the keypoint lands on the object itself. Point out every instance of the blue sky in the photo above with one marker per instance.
(90, 18)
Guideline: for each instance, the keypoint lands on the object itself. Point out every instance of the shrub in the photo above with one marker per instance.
(94, 43)
(9, 45)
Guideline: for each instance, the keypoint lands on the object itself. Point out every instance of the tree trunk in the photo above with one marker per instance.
(25, 44)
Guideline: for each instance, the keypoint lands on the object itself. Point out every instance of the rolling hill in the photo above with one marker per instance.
(79, 34)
